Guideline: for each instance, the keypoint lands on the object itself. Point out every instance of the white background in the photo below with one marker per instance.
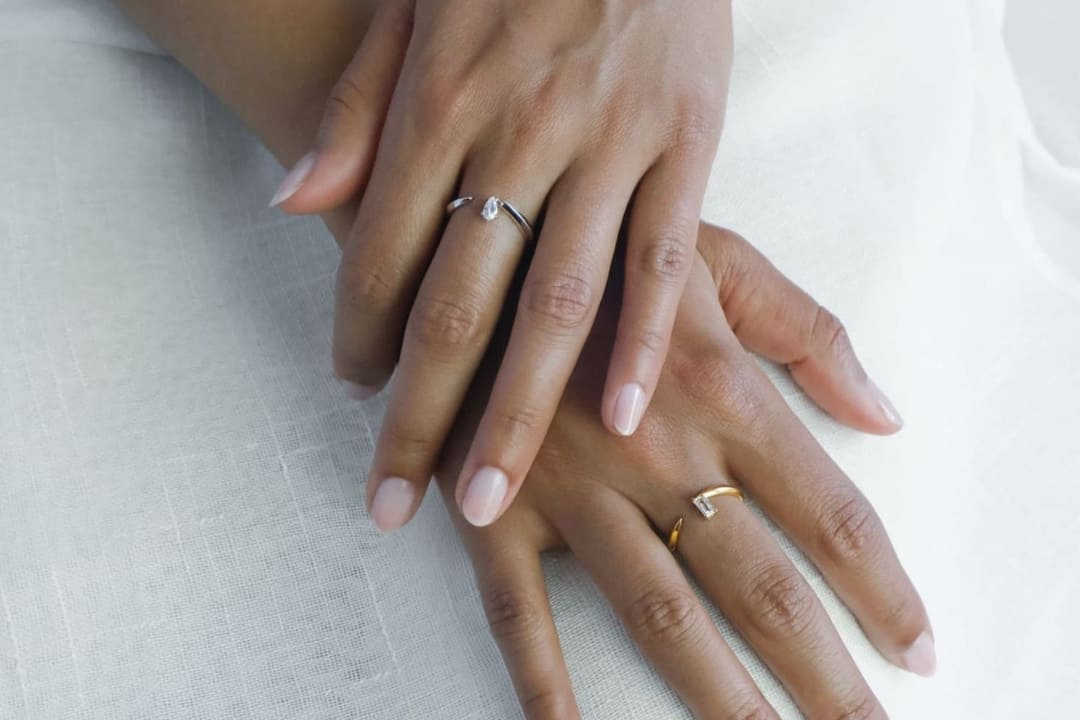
(181, 529)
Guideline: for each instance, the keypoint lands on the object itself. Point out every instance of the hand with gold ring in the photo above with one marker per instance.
(718, 428)
(562, 109)
(612, 501)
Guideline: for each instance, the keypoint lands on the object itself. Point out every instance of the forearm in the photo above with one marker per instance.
(272, 61)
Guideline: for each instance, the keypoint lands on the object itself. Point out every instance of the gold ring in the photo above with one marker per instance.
(673, 536)
(703, 501)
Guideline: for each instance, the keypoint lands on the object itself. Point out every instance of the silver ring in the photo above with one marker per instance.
(492, 207)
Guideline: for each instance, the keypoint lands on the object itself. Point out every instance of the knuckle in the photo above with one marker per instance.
(511, 614)
(665, 616)
(862, 707)
(779, 603)
(531, 130)
(365, 287)
(732, 246)
(750, 708)
(444, 99)
(734, 265)
(407, 443)
(827, 334)
(702, 100)
(562, 300)
(730, 257)
(445, 323)
(547, 704)
(849, 528)
(623, 114)
(346, 99)
(537, 120)
(711, 379)
(718, 380)
(697, 123)
(665, 259)
(652, 342)
(517, 424)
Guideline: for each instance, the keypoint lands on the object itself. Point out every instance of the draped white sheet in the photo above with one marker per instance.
(181, 534)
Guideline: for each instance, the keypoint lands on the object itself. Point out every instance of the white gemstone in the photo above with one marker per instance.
(491, 209)
(705, 507)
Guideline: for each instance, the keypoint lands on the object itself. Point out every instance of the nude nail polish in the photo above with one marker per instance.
(629, 408)
(484, 496)
(885, 406)
(294, 180)
(920, 658)
(392, 505)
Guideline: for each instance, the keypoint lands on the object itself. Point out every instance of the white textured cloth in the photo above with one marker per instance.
(181, 530)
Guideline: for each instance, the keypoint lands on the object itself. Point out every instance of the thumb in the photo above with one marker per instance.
(337, 167)
(773, 317)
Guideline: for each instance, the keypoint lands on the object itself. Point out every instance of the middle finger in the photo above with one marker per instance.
(558, 302)
(450, 326)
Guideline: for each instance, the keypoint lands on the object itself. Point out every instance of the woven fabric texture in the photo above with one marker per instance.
(181, 525)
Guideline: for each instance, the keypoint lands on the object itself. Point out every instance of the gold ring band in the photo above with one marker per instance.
(703, 502)
(673, 536)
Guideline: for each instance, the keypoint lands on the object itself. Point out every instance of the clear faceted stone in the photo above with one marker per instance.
(705, 507)
(491, 209)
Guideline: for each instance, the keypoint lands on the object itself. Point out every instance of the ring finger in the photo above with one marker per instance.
(656, 604)
(559, 300)
(744, 571)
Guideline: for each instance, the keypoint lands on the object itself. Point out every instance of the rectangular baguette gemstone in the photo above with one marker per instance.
(705, 506)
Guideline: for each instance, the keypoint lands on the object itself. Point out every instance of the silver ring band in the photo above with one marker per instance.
(492, 207)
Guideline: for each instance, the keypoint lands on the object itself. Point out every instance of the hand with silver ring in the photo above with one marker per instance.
(716, 420)
(584, 113)
(718, 428)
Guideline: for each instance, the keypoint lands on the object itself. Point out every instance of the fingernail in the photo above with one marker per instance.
(484, 496)
(392, 504)
(629, 407)
(920, 658)
(358, 392)
(294, 179)
(885, 406)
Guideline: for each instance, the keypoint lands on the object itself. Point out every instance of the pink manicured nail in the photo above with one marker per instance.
(629, 407)
(885, 406)
(358, 392)
(920, 658)
(393, 503)
(294, 180)
(484, 496)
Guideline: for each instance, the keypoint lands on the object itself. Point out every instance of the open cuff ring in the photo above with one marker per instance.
(703, 502)
(493, 207)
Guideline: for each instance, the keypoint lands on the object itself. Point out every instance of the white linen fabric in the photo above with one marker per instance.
(181, 526)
